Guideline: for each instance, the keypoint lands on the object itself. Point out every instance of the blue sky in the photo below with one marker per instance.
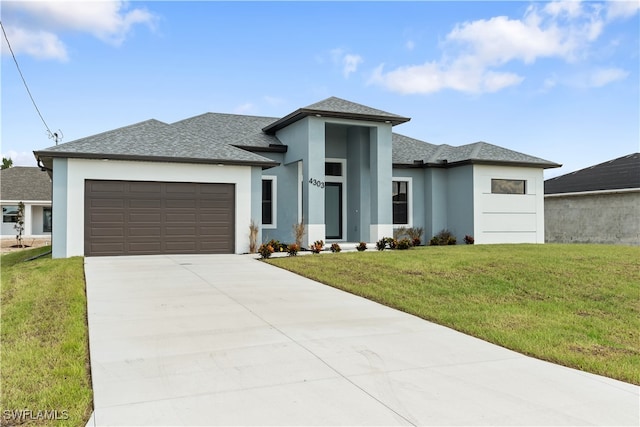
(558, 80)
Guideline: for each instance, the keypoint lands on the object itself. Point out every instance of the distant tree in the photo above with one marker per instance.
(6, 163)
(19, 224)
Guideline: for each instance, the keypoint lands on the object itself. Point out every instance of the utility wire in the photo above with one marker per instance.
(53, 135)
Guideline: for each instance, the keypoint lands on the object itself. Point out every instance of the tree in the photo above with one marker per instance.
(19, 224)
(6, 163)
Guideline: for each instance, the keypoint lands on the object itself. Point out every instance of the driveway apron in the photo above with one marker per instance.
(228, 340)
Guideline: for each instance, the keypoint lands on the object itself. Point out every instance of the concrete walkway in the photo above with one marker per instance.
(228, 340)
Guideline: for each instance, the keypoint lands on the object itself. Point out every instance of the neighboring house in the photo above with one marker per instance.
(598, 204)
(31, 186)
(195, 186)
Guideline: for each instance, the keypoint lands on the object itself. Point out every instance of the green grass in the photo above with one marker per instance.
(45, 358)
(575, 305)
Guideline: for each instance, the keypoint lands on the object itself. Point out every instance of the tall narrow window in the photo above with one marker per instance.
(267, 202)
(400, 202)
(46, 220)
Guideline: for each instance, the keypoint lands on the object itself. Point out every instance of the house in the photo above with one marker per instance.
(196, 185)
(31, 186)
(598, 204)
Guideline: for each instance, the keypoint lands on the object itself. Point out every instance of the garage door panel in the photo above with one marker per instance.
(158, 217)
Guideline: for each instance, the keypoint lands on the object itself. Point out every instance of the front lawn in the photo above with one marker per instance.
(575, 305)
(44, 370)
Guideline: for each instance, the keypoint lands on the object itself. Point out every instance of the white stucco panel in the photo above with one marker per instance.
(508, 218)
(79, 170)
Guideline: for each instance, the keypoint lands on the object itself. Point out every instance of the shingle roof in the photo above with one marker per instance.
(155, 140)
(408, 151)
(616, 174)
(24, 183)
(337, 108)
(236, 139)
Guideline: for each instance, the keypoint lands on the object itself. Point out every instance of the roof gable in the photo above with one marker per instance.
(25, 183)
(336, 108)
(616, 174)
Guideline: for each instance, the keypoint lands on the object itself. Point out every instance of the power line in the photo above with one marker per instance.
(56, 136)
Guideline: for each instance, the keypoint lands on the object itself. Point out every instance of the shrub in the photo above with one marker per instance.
(381, 244)
(292, 249)
(335, 248)
(277, 246)
(444, 237)
(253, 237)
(415, 234)
(392, 242)
(404, 244)
(469, 240)
(298, 232)
(399, 232)
(317, 246)
(265, 250)
(362, 246)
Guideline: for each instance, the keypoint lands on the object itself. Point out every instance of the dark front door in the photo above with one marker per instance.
(333, 210)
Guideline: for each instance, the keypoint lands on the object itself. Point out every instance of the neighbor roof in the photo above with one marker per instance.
(20, 183)
(616, 174)
(336, 108)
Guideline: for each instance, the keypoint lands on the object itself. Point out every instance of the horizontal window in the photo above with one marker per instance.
(9, 214)
(333, 169)
(509, 186)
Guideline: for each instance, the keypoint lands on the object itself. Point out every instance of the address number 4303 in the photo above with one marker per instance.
(317, 183)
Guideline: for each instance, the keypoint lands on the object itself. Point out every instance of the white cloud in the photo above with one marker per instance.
(348, 62)
(475, 52)
(410, 45)
(245, 108)
(38, 24)
(621, 9)
(38, 44)
(604, 76)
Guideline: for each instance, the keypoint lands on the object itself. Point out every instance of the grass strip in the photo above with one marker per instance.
(575, 305)
(45, 374)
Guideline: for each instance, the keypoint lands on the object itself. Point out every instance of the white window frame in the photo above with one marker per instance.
(409, 181)
(343, 180)
(274, 201)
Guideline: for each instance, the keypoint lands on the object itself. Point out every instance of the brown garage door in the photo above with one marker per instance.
(140, 218)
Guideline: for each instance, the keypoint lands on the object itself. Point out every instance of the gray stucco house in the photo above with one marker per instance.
(32, 187)
(195, 186)
(598, 204)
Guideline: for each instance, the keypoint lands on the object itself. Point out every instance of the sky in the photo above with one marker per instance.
(556, 80)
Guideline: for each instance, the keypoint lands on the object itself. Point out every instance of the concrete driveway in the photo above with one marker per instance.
(228, 340)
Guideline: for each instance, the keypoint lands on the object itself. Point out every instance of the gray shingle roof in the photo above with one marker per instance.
(155, 140)
(338, 108)
(616, 174)
(406, 151)
(232, 138)
(24, 183)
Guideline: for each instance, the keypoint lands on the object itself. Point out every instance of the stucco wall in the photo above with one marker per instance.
(612, 218)
(508, 218)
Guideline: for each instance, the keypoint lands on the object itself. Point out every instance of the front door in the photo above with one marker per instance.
(333, 210)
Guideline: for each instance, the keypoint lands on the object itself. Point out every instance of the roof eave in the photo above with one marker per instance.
(161, 159)
(305, 112)
(445, 164)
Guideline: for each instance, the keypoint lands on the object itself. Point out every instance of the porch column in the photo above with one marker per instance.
(381, 176)
(313, 182)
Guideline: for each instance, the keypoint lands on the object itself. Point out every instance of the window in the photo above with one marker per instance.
(269, 202)
(400, 202)
(333, 169)
(9, 214)
(46, 220)
(508, 186)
